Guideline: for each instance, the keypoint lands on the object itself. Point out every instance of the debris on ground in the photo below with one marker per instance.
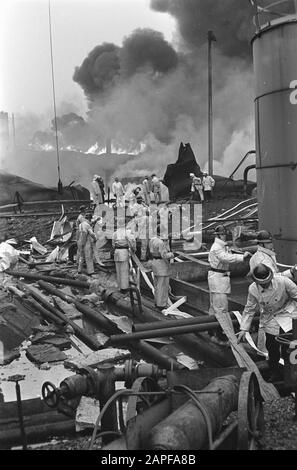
(97, 358)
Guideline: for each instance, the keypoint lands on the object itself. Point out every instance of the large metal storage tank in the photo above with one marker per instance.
(275, 66)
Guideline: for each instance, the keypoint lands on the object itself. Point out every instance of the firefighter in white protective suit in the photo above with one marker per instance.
(219, 283)
(146, 189)
(95, 191)
(118, 191)
(123, 241)
(160, 263)
(85, 245)
(156, 188)
(275, 296)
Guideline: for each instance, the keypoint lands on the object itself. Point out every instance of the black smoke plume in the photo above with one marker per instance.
(99, 70)
(147, 48)
(230, 19)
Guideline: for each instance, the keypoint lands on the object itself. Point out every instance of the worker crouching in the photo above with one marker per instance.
(276, 298)
(160, 262)
(123, 241)
(85, 244)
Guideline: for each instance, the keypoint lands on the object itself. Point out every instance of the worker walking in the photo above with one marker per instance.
(219, 275)
(156, 188)
(196, 188)
(160, 263)
(85, 244)
(146, 191)
(123, 241)
(275, 296)
(95, 191)
(118, 191)
(208, 184)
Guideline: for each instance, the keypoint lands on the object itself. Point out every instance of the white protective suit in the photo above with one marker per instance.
(160, 263)
(95, 191)
(197, 187)
(118, 191)
(277, 302)
(123, 240)
(156, 188)
(85, 244)
(208, 183)
(146, 191)
(219, 283)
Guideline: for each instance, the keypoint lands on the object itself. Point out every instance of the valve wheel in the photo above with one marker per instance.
(50, 394)
(250, 413)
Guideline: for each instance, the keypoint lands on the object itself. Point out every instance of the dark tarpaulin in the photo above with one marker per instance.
(177, 176)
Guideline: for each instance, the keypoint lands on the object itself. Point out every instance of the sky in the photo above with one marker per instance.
(77, 27)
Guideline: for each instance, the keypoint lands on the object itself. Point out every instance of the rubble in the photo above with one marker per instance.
(86, 413)
(41, 353)
(96, 358)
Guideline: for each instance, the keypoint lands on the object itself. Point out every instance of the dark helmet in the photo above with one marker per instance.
(262, 274)
(264, 235)
(220, 230)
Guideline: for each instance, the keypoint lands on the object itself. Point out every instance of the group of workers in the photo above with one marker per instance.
(272, 294)
(201, 187)
(151, 186)
(144, 235)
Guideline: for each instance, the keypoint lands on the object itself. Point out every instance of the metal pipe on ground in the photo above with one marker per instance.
(36, 433)
(46, 314)
(90, 313)
(137, 327)
(203, 320)
(159, 333)
(187, 427)
(79, 332)
(198, 347)
(54, 280)
(147, 351)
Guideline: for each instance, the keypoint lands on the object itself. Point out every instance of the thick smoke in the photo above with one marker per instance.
(230, 19)
(99, 70)
(157, 96)
(147, 48)
(148, 96)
